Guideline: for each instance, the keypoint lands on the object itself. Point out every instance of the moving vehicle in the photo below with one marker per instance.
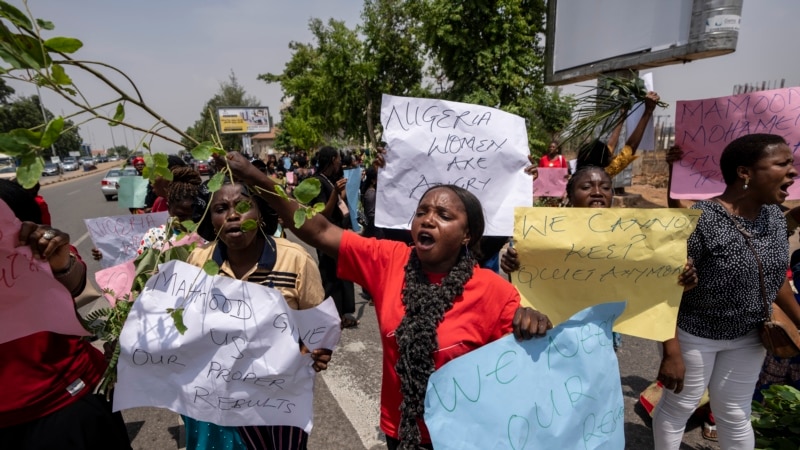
(110, 183)
(69, 164)
(8, 167)
(51, 169)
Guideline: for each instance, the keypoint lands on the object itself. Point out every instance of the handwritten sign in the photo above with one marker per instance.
(704, 127)
(430, 142)
(551, 182)
(238, 363)
(571, 258)
(353, 188)
(119, 237)
(31, 300)
(116, 281)
(558, 391)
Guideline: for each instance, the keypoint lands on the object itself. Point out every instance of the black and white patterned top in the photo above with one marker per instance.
(727, 303)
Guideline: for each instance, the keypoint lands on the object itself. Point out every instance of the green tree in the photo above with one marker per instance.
(26, 112)
(326, 85)
(230, 93)
(120, 150)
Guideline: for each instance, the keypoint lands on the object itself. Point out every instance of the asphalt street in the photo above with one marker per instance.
(346, 403)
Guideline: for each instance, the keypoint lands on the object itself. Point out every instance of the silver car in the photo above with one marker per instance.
(110, 183)
(69, 164)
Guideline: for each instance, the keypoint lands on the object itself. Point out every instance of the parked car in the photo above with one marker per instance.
(110, 183)
(51, 170)
(88, 163)
(69, 164)
(113, 158)
(101, 159)
(8, 172)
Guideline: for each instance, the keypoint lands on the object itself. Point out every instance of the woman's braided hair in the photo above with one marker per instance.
(185, 182)
(425, 306)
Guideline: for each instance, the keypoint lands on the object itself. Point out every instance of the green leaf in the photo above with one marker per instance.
(146, 172)
(249, 225)
(160, 160)
(164, 173)
(45, 24)
(59, 76)
(119, 115)
(146, 145)
(216, 182)
(243, 206)
(210, 267)
(203, 151)
(30, 170)
(63, 44)
(299, 218)
(177, 317)
(307, 190)
(319, 207)
(149, 161)
(14, 15)
(281, 193)
(14, 145)
(189, 225)
(51, 132)
(29, 50)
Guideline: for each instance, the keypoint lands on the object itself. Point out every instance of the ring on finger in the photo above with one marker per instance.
(49, 234)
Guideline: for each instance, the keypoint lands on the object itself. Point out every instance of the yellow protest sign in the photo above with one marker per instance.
(572, 258)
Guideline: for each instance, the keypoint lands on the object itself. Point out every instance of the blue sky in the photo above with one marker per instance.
(178, 51)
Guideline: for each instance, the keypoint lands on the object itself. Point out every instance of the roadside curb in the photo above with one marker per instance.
(46, 181)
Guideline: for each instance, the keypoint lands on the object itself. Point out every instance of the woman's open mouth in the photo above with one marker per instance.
(597, 204)
(233, 231)
(425, 241)
(785, 188)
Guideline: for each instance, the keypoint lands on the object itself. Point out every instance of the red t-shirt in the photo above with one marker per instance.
(44, 209)
(36, 371)
(160, 204)
(482, 314)
(557, 161)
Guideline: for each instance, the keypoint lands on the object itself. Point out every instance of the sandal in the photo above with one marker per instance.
(348, 321)
(709, 432)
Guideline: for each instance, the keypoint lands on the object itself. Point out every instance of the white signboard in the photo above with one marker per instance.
(119, 237)
(430, 142)
(239, 361)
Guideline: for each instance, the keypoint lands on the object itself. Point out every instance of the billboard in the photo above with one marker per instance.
(241, 119)
(586, 38)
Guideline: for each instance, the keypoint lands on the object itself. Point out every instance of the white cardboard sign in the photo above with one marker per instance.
(430, 142)
(119, 237)
(239, 361)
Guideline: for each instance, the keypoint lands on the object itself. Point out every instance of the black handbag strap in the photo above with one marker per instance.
(748, 238)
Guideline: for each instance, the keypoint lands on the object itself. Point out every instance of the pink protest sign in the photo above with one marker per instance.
(31, 300)
(704, 127)
(551, 182)
(117, 279)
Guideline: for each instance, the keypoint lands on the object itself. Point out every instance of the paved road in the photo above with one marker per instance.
(346, 396)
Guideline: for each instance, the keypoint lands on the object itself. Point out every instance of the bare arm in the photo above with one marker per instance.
(317, 232)
(635, 137)
(613, 139)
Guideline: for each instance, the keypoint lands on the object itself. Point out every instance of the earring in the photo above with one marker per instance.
(746, 182)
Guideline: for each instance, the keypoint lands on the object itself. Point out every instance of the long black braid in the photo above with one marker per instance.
(425, 304)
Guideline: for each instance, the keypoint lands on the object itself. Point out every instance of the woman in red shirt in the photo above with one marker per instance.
(48, 378)
(432, 300)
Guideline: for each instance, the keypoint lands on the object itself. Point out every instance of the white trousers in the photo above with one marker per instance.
(729, 368)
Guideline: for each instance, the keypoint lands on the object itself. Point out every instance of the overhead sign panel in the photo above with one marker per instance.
(236, 119)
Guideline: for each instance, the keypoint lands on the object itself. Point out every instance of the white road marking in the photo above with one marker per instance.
(81, 239)
(361, 409)
(73, 192)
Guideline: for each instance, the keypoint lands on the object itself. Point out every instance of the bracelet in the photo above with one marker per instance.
(71, 264)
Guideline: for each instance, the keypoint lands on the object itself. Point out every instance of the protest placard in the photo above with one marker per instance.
(571, 258)
(353, 189)
(430, 142)
(551, 182)
(703, 128)
(558, 391)
(31, 300)
(119, 237)
(132, 192)
(116, 281)
(239, 361)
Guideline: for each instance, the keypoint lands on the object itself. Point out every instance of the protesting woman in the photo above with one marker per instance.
(741, 253)
(48, 378)
(433, 302)
(254, 256)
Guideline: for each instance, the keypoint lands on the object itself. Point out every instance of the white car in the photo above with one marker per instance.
(110, 183)
(8, 172)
